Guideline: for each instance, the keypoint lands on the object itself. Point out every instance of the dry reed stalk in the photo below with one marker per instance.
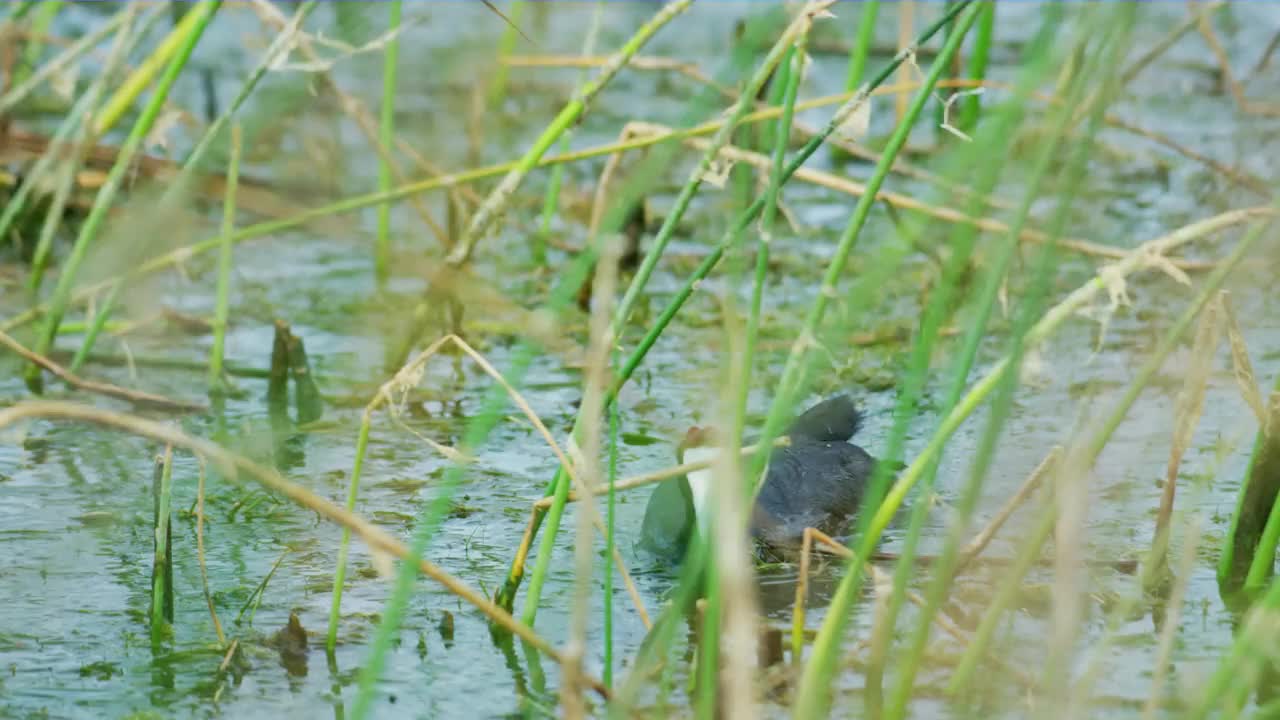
(658, 476)
(597, 379)
(900, 166)
(1164, 649)
(835, 182)
(1187, 411)
(1236, 88)
(983, 538)
(906, 38)
(738, 612)
(1071, 493)
(1241, 366)
(137, 397)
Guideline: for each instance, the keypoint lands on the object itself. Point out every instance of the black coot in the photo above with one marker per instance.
(816, 482)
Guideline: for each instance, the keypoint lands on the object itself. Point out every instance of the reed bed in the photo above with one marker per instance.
(969, 162)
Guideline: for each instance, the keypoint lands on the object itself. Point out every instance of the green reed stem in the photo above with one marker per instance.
(768, 213)
(861, 49)
(550, 207)
(1262, 468)
(501, 195)
(95, 326)
(639, 183)
(745, 99)
(1263, 565)
(988, 153)
(223, 303)
(178, 187)
(106, 195)
(789, 385)
(971, 104)
(815, 682)
(507, 593)
(125, 39)
(708, 689)
(1239, 669)
(175, 47)
(1039, 52)
(940, 110)
(281, 44)
(344, 546)
(386, 136)
(551, 201)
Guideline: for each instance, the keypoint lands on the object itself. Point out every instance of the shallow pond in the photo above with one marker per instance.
(76, 506)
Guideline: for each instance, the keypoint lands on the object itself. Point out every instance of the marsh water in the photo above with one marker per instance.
(76, 502)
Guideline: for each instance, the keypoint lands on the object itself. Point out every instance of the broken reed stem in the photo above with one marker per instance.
(162, 558)
(232, 466)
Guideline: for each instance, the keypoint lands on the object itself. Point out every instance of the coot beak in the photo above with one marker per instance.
(695, 437)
